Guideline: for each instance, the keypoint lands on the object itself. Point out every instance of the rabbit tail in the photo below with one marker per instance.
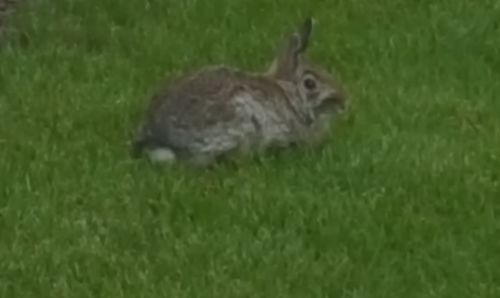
(145, 144)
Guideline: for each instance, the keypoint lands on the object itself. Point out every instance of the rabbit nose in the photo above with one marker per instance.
(339, 100)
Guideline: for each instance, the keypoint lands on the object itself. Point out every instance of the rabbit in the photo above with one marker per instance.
(217, 111)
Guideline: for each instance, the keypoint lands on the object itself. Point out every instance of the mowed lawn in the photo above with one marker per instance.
(403, 201)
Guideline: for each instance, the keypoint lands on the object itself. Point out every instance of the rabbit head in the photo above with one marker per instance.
(316, 87)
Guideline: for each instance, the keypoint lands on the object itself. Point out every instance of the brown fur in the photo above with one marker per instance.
(219, 110)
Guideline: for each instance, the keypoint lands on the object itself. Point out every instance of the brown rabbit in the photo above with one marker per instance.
(219, 110)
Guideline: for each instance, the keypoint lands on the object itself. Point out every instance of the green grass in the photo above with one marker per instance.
(404, 201)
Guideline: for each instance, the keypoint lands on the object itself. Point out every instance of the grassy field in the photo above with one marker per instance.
(404, 201)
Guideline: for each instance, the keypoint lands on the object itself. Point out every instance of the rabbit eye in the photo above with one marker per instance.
(310, 83)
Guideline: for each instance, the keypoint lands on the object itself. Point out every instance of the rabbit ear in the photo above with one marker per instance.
(302, 36)
(287, 61)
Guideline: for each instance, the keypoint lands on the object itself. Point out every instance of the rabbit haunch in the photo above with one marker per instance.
(219, 110)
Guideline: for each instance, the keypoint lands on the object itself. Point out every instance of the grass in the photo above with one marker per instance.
(403, 202)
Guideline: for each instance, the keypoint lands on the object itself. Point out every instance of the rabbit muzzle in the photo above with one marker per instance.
(331, 104)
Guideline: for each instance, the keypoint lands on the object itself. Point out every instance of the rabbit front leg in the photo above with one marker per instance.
(317, 132)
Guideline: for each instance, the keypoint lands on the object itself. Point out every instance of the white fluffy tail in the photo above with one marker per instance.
(161, 155)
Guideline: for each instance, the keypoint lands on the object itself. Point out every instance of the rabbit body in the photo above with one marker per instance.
(220, 110)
